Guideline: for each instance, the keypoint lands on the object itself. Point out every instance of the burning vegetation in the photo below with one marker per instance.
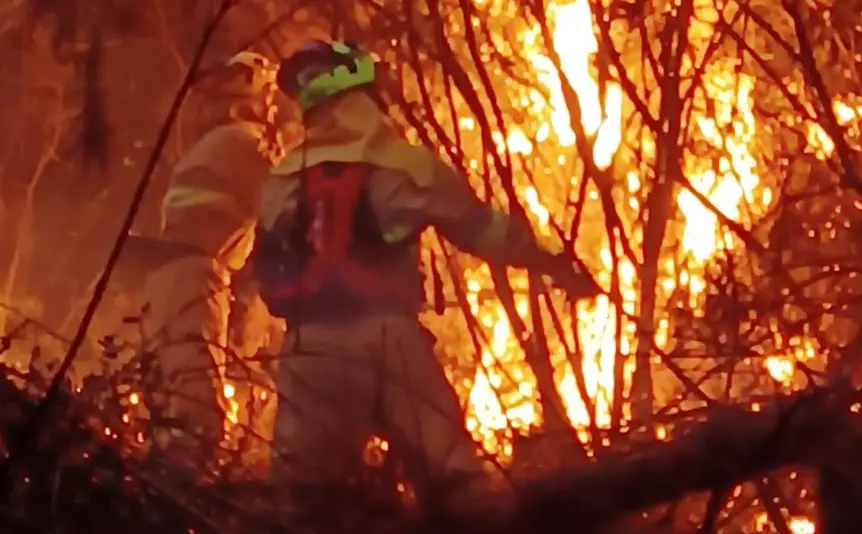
(702, 156)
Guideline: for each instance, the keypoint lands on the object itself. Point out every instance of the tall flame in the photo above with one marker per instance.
(729, 180)
(502, 394)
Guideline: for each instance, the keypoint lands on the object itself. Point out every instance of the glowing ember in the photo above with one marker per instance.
(797, 525)
(782, 367)
(848, 115)
(232, 406)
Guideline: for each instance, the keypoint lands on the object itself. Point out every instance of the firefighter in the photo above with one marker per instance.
(337, 257)
(208, 218)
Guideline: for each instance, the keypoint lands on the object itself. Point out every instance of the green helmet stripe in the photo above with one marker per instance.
(339, 79)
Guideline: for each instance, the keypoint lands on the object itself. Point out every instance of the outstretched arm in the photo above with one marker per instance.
(479, 229)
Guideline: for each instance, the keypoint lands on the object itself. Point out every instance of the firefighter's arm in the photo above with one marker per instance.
(197, 210)
(477, 228)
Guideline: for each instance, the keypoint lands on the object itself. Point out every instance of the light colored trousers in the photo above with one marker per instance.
(340, 382)
(189, 305)
(189, 302)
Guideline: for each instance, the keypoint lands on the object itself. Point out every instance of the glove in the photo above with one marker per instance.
(569, 274)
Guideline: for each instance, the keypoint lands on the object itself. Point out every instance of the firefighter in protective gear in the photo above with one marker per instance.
(208, 219)
(337, 256)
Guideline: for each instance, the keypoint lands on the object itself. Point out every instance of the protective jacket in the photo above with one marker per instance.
(212, 201)
(334, 260)
(401, 190)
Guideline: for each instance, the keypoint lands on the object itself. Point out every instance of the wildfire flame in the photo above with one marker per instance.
(502, 394)
(729, 180)
(848, 116)
(493, 413)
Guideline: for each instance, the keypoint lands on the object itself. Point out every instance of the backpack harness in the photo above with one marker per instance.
(318, 256)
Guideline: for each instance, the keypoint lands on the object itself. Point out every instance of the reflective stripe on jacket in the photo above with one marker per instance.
(213, 199)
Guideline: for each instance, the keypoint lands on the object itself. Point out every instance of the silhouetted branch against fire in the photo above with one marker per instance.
(730, 447)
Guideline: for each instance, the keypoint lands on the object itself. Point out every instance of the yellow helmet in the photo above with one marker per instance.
(247, 74)
(246, 84)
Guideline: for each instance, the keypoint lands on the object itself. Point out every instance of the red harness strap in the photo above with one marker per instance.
(332, 203)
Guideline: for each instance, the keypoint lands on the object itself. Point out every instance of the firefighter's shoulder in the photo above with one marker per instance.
(226, 149)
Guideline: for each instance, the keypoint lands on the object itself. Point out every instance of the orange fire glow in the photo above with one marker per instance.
(502, 396)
